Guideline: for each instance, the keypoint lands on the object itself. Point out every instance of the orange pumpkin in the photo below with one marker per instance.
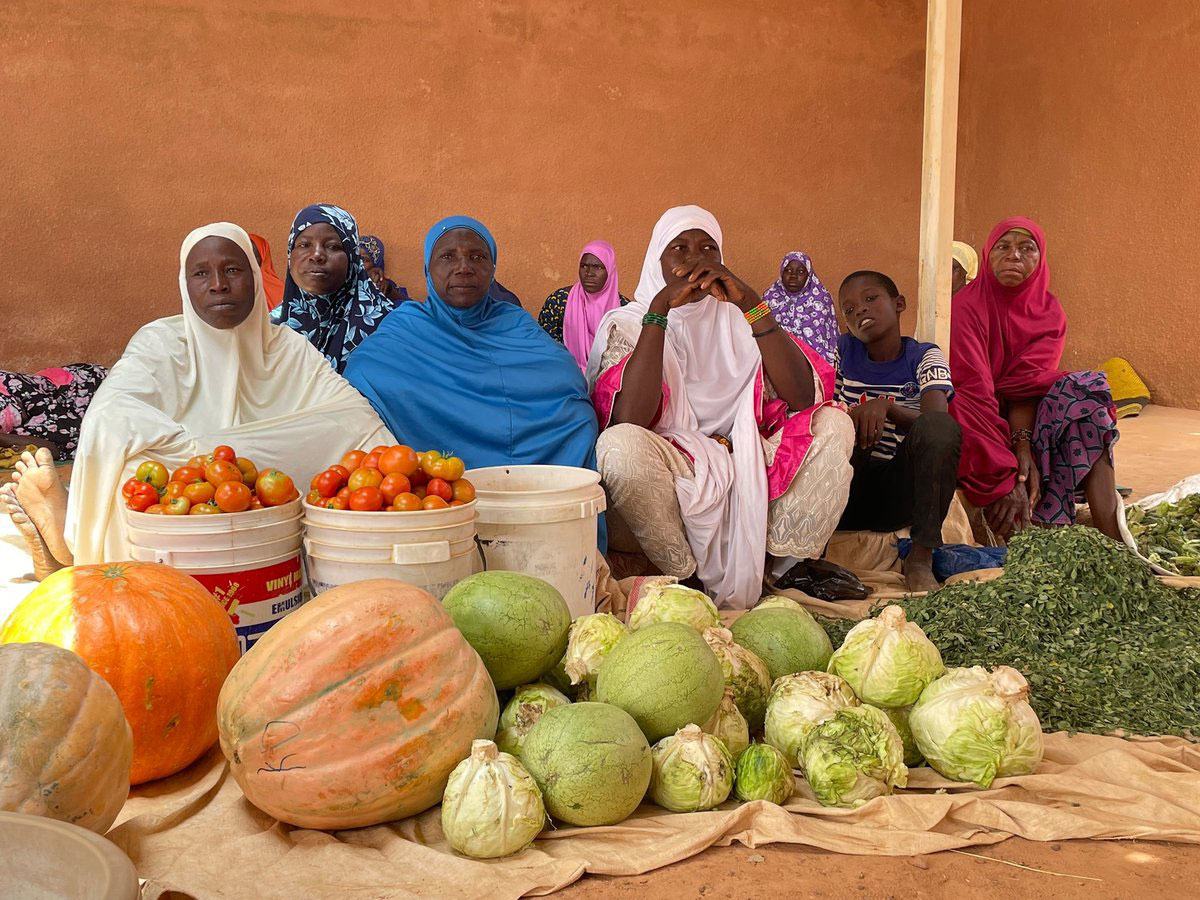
(65, 746)
(156, 635)
(355, 708)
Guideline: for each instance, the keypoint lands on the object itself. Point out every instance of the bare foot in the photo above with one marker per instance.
(42, 496)
(918, 570)
(44, 562)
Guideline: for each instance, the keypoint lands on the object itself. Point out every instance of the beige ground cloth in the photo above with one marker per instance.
(197, 835)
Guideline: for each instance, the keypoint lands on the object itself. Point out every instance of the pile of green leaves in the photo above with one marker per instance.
(1104, 645)
(1169, 534)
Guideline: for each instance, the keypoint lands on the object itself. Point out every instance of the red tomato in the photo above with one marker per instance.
(177, 506)
(406, 503)
(343, 494)
(353, 460)
(418, 478)
(203, 509)
(429, 460)
(274, 488)
(379, 448)
(399, 459)
(420, 492)
(328, 482)
(155, 509)
(128, 488)
(371, 461)
(393, 486)
(199, 462)
(154, 473)
(221, 471)
(464, 491)
(255, 503)
(341, 471)
(201, 492)
(364, 477)
(248, 469)
(434, 503)
(232, 497)
(226, 453)
(172, 490)
(189, 474)
(457, 503)
(366, 499)
(439, 488)
(142, 497)
(334, 503)
(314, 498)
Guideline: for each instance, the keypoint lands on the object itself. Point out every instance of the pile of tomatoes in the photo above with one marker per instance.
(217, 482)
(392, 479)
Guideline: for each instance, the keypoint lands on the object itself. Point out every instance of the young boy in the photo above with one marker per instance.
(906, 445)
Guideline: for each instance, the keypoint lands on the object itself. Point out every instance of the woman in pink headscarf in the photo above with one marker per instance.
(572, 314)
(1032, 434)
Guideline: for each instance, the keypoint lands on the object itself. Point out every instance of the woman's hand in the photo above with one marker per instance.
(869, 420)
(1010, 514)
(1028, 474)
(676, 294)
(714, 278)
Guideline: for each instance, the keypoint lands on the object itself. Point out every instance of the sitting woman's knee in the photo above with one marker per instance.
(619, 441)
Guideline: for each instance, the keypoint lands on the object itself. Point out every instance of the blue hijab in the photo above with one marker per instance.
(484, 382)
(333, 323)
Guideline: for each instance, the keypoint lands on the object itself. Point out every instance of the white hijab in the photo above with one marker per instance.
(182, 387)
(710, 365)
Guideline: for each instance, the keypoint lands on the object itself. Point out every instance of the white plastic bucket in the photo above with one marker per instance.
(541, 521)
(249, 561)
(430, 549)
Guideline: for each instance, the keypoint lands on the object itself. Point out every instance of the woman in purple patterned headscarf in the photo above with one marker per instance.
(804, 306)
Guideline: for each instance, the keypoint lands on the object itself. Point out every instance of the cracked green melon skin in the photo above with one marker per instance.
(591, 762)
(516, 623)
(665, 676)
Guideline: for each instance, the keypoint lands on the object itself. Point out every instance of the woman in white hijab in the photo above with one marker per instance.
(219, 373)
(721, 444)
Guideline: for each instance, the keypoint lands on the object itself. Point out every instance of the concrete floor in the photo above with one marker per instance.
(1158, 448)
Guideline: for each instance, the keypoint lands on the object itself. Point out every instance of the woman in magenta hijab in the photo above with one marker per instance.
(1033, 435)
(572, 314)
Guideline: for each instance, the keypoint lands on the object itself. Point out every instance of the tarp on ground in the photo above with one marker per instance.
(196, 834)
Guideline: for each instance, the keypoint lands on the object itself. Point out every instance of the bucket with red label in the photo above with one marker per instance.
(250, 561)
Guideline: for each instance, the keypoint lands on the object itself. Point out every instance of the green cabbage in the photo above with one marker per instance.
(492, 806)
(522, 712)
(666, 602)
(798, 704)
(778, 600)
(761, 773)
(975, 726)
(692, 771)
(854, 757)
(887, 660)
(588, 642)
(729, 725)
(745, 673)
(899, 717)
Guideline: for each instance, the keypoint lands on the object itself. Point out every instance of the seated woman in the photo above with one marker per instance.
(374, 257)
(571, 314)
(965, 266)
(328, 296)
(47, 407)
(1031, 433)
(803, 306)
(466, 372)
(721, 444)
(220, 373)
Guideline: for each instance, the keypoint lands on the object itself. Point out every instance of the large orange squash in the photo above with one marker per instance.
(65, 746)
(156, 635)
(355, 708)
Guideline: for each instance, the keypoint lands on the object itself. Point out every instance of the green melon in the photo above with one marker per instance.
(517, 624)
(590, 760)
(787, 640)
(663, 675)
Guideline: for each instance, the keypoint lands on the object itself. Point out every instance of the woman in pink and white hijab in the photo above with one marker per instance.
(572, 314)
(721, 441)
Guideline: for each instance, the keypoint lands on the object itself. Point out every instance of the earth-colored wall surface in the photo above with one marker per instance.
(129, 123)
(1085, 116)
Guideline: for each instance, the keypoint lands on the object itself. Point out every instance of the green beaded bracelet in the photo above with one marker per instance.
(655, 319)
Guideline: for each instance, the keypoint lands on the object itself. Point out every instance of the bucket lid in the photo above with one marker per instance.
(66, 861)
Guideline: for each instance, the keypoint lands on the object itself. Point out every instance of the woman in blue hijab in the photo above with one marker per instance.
(468, 373)
(328, 296)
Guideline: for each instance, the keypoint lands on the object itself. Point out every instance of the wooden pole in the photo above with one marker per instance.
(943, 33)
